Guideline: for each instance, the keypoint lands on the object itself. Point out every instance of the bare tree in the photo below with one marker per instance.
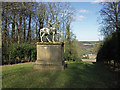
(20, 19)
(110, 14)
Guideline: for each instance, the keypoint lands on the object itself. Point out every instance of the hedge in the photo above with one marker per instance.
(18, 53)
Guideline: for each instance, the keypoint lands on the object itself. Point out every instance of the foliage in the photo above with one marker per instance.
(72, 50)
(21, 53)
(110, 49)
(66, 55)
(110, 17)
(85, 58)
(96, 47)
(69, 56)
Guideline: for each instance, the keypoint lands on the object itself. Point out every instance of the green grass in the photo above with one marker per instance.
(77, 75)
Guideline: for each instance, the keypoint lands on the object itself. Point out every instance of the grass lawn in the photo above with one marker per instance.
(77, 75)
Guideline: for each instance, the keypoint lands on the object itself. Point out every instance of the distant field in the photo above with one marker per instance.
(89, 60)
(77, 75)
(87, 44)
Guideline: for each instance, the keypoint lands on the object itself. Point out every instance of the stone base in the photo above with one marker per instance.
(49, 62)
(49, 56)
(48, 67)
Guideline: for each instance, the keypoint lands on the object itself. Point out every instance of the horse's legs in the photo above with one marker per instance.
(53, 37)
(42, 37)
(48, 39)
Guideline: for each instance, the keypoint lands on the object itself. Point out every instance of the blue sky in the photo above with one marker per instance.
(86, 26)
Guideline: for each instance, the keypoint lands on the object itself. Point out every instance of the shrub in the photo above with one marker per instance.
(21, 53)
(68, 56)
(85, 58)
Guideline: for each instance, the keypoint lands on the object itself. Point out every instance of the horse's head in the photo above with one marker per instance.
(56, 24)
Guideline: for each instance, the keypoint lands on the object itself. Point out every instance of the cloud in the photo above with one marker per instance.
(80, 17)
(98, 1)
(83, 11)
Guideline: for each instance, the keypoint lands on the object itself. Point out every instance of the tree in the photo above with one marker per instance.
(41, 17)
(110, 14)
(110, 49)
(0, 46)
(96, 47)
(30, 17)
(0, 36)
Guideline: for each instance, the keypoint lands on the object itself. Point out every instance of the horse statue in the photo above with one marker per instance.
(49, 31)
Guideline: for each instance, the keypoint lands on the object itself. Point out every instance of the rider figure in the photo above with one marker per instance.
(49, 25)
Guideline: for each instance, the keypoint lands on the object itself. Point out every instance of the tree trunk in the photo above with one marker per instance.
(6, 31)
(20, 29)
(63, 29)
(29, 29)
(0, 39)
(18, 35)
(24, 30)
(36, 32)
(13, 30)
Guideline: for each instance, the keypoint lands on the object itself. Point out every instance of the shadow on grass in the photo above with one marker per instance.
(87, 75)
(77, 75)
(45, 79)
(27, 77)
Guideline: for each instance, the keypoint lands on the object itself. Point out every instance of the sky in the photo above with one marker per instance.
(86, 25)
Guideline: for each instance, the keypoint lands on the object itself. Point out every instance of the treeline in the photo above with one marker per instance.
(21, 24)
(22, 21)
(109, 52)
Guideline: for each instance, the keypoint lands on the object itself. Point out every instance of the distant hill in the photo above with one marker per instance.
(87, 44)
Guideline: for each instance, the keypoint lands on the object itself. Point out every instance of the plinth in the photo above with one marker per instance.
(49, 56)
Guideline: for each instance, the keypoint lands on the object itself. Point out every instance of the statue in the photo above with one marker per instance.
(49, 24)
(52, 58)
(49, 30)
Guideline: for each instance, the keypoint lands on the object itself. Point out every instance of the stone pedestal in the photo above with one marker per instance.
(49, 56)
